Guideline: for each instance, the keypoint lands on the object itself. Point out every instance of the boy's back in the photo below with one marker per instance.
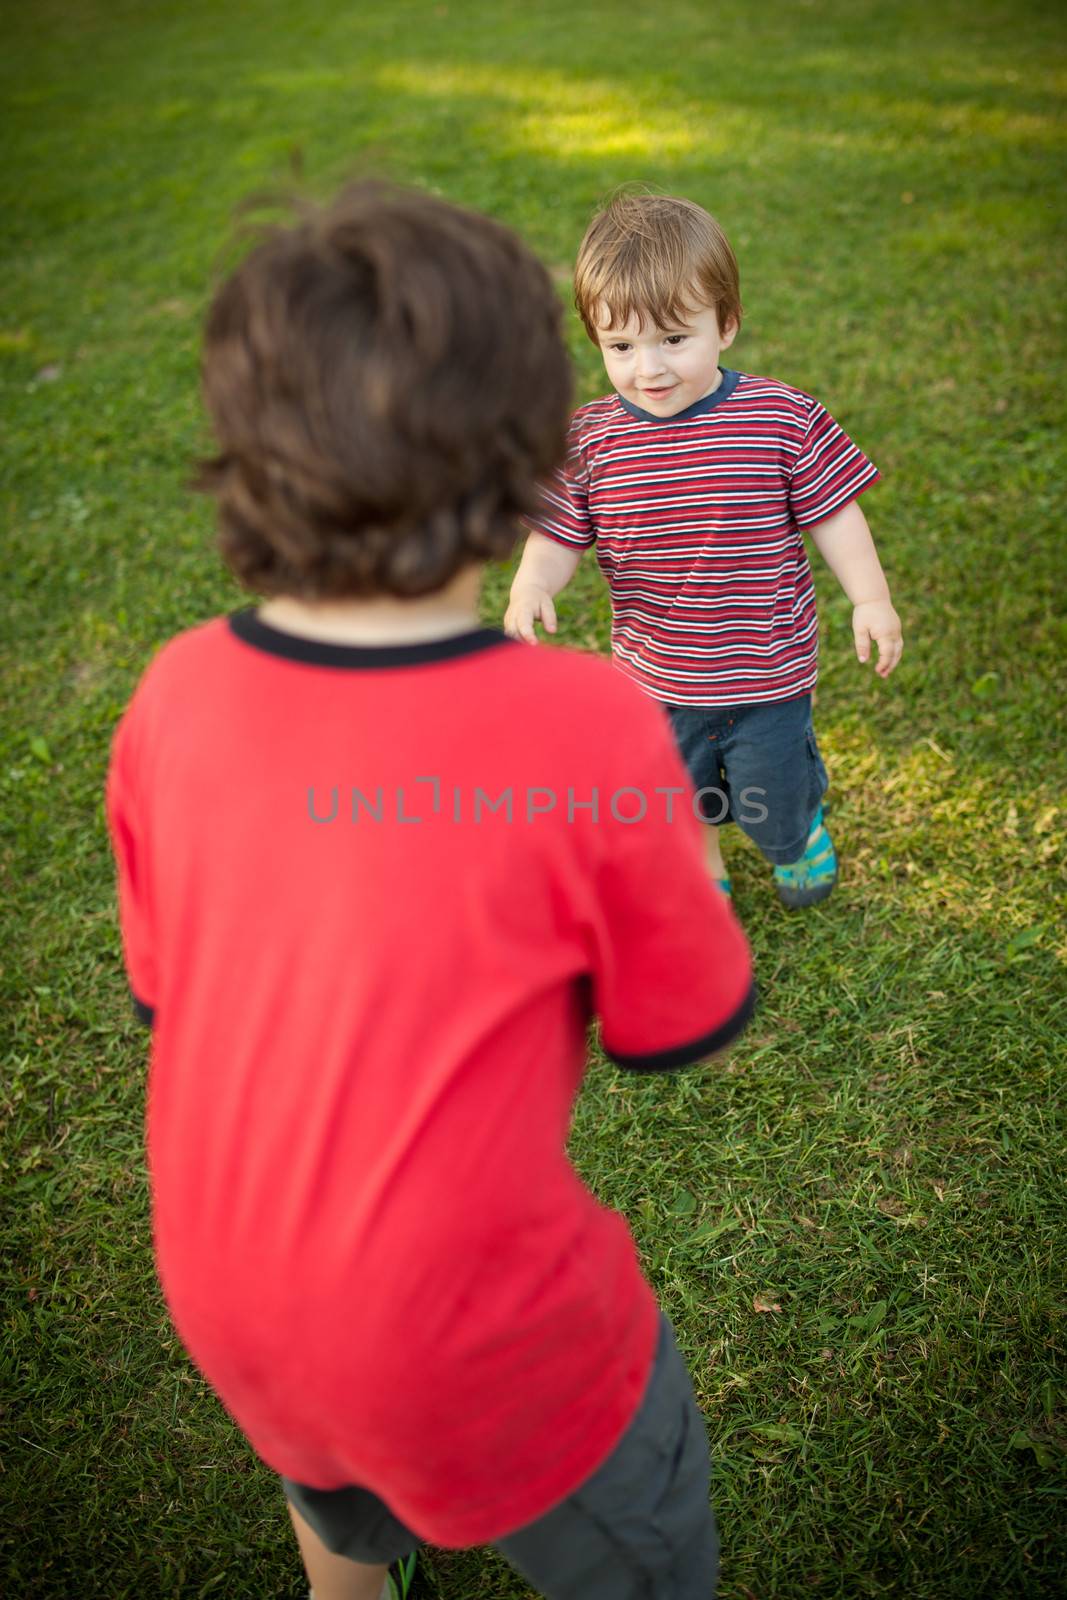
(370, 905)
(378, 868)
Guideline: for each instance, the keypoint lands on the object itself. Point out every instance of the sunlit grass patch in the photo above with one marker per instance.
(559, 115)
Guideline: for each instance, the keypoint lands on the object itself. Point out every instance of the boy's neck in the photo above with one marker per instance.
(384, 619)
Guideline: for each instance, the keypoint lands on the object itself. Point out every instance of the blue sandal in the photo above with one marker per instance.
(812, 878)
(726, 886)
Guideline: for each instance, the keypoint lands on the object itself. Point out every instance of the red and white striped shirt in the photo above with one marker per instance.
(698, 521)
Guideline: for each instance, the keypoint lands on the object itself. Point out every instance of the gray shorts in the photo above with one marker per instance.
(641, 1528)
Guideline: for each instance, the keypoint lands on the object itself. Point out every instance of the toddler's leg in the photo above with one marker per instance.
(812, 876)
(697, 731)
(336, 1577)
(713, 856)
(354, 1547)
(777, 780)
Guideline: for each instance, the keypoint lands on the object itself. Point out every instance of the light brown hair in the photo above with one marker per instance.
(388, 386)
(654, 257)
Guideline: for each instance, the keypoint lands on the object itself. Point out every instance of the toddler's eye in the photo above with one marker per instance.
(620, 349)
(675, 338)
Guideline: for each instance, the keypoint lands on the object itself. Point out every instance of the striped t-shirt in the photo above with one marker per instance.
(698, 520)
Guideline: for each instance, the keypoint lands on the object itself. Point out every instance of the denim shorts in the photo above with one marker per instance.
(758, 766)
(641, 1528)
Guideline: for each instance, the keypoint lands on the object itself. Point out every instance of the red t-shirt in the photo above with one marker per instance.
(370, 976)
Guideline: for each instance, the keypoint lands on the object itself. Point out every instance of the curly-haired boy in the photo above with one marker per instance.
(373, 889)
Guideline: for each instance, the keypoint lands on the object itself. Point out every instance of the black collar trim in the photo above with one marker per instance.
(248, 627)
(726, 388)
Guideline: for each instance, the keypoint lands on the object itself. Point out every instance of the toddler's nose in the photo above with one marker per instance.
(649, 363)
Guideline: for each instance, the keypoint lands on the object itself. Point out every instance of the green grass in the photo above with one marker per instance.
(882, 1157)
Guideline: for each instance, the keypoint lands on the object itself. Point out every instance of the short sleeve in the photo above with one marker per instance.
(672, 980)
(564, 514)
(127, 841)
(829, 472)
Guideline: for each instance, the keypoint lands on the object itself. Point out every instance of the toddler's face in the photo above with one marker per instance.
(665, 370)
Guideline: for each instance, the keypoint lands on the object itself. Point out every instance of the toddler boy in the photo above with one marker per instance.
(697, 483)
(372, 892)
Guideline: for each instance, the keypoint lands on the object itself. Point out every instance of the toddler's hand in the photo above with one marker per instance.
(529, 605)
(876, 619)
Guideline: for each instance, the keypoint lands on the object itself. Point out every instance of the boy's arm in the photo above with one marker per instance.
(844, 541)
(546, 567)
(128, 847)
(671, 969)
(550, 560)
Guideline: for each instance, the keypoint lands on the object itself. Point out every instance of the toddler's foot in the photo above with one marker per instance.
(725, 885)
(812, 878)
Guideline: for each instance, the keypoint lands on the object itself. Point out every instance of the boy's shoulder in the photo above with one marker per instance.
(182, 676)
(187, 653)
(548, 671)
(598, 416)
(757, 387)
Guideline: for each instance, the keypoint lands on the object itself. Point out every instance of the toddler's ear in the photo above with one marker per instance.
(726, 339)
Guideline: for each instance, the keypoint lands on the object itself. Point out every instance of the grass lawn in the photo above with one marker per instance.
(882, 1159)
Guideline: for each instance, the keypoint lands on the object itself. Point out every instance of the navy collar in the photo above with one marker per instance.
(726, 388)
(248, 627)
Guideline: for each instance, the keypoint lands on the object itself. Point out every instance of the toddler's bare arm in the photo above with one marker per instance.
(546, 568)
(844, 541)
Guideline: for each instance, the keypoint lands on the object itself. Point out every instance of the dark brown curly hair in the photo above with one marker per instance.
(388, 387)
